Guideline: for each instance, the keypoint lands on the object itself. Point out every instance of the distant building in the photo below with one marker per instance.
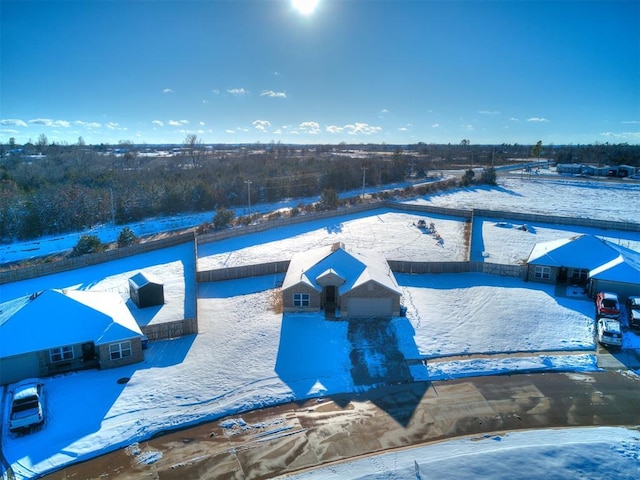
(570, 168)
(354, 284)
(58, 331)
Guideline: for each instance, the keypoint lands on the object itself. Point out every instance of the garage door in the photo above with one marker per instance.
(19, 367)
(370, 307)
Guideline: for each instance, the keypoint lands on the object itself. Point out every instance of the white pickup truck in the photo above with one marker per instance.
(27, 405)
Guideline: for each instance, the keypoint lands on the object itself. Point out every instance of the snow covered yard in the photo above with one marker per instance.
(617, 201)
(393, 234)
(247, 356)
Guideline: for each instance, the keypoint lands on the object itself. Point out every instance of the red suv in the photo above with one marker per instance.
(607, 305)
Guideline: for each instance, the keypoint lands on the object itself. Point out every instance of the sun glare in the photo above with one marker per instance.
(305, 7)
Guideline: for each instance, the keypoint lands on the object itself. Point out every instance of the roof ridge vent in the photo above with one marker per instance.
(35, 295)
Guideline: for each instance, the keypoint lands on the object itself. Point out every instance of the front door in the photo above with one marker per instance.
(329, 295)
(88, 352)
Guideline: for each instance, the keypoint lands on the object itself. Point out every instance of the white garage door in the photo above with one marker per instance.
(370, 307)
(19, 367)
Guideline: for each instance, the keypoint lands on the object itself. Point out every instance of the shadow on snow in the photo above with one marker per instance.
(351, 360)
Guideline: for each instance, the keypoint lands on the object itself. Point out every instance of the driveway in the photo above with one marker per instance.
(292, 437)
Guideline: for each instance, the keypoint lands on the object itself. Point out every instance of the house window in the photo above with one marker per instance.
(301, 300)
(120, 350)
(542, 272)
(579, 275)
(60, 354)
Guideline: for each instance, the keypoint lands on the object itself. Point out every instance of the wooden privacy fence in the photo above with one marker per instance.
(244, 271)
(167, 330)
(397, 266)
(401, 266)
(558, 220)
(42, 269)
(286, 221)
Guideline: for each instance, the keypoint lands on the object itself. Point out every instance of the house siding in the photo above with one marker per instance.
(553, 275)
(104, 356)
(315, 298)
(53, 368)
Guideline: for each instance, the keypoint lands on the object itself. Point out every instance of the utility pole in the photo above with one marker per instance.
(113, 211)
(249, 182)
(364, 171)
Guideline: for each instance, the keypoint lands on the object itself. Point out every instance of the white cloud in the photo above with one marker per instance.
(201, 124)
(216, 91)
(14, 122)
(633, 136)
(514, 119)
(272, 94)
(158, 123)
(178, 123)
(47, 122)
(230, 131)
(435, 125)
(167, 91)
(362, 128)
(80, 123)
(537, 119)
(237, 91)
(261, 125)
(489, 112)
(468, 127)
(334, 129)
(310, 127)
(113, 126)
(630, 122)
(403, 129)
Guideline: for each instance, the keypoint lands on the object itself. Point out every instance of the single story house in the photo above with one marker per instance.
(354, 284)
(586, 260)
(146, 290)
(56, 331)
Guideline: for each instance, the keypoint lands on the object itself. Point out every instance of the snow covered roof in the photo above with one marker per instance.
(355, 267)
(580, 251)
(624, 268)
(604, 260)
(56, 318)
(143, 278)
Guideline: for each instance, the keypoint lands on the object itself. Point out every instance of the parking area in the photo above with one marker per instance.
(610, 359)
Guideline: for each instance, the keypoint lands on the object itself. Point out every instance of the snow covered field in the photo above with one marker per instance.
(562, 196)
(248, 356)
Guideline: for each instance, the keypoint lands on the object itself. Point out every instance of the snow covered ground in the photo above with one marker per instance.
(566, 454)
(248, 356)
(562, 196)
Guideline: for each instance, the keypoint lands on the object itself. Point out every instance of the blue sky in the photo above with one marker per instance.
(355, 71)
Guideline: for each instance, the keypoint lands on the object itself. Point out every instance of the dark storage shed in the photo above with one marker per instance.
(146, 290)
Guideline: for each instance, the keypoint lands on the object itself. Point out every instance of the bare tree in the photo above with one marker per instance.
(193, 146)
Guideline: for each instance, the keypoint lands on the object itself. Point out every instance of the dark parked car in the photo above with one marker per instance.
(607, 305)
(633, 310)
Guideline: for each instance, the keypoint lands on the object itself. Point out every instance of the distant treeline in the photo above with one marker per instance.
(49, 189)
